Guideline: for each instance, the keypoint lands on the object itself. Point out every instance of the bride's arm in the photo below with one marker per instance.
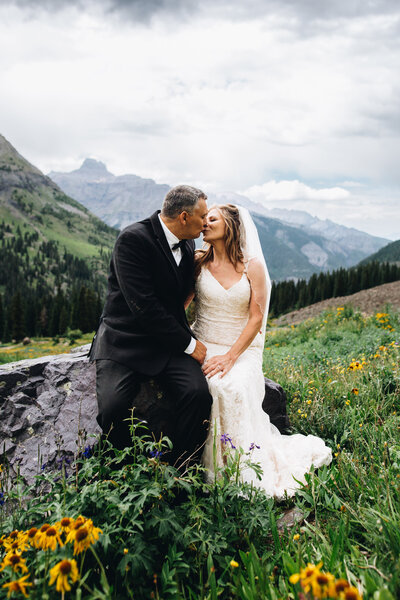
(225, 362)
(192, 294)
(188, 300)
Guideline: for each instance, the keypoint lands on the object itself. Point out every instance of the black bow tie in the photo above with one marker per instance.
(180, 244)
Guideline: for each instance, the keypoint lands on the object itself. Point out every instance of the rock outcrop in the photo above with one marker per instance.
(48, 411)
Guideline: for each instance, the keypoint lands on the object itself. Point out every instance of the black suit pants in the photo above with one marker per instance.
(183, 417)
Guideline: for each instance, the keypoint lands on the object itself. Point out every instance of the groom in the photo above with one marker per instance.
(143, 330)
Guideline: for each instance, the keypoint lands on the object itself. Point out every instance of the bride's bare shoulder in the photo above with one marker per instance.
(255, 270)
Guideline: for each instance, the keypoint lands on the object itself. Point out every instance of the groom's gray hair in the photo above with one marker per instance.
(181, 198)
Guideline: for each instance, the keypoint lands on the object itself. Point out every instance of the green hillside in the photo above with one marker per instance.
(50, 248)
(389, 253)
(35, 203)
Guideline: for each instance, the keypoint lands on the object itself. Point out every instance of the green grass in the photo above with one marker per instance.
(41, 347)
(167, 536)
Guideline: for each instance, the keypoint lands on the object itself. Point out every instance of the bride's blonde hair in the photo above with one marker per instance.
(230, 215)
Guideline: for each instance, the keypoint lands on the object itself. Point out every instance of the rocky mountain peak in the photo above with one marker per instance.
(93, 167)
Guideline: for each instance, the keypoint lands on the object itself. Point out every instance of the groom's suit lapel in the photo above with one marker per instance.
(162, 242)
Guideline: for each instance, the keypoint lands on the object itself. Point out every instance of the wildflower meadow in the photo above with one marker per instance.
(125, 524)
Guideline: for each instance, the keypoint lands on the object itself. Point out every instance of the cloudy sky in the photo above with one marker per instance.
(294, 103)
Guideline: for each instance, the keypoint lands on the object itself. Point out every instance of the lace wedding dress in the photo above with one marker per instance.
(221, 315)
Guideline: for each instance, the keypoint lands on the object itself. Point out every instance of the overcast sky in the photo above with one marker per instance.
(295, 103)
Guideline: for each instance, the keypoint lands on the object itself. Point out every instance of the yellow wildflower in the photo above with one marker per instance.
(18, 585)
(78, 522)
(19, 544)
(31, 537)
(306, 575)
(66, 524)
(62, 572)
(40, 535)
(339, 586)
(321, 583)
(15, 561)
(355, 365)
(50, 538)
(355, 391)
(296, 537)
(352, 593)
(234, 564)
(84, 536)
(13, 540)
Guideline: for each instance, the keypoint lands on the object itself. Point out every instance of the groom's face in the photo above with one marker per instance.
(196, 222)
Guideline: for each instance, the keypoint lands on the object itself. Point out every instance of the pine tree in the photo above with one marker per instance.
(17, 317)
(1, 318)
(43, 320)
(64, 320)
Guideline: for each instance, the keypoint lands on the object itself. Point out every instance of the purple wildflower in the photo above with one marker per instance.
(88, 451)
(155, 453)
(1, 498)
(252, 446)
(226, 439)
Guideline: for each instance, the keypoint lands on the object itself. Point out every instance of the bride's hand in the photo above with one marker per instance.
(218, 364)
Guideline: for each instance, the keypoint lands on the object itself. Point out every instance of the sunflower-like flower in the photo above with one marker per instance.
(40, 535)
(83, 536)
(15, 561)
(18, 585)
(324, 585)
(50, 538)
(306, 575)
(63, 574)
(78, 522)
(352, 593)
(31, 536)
(321, 584)
(65, 524)
(338, 587)
(14, 541)
(19, 544)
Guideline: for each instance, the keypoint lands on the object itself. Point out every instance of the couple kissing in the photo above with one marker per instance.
(212, 372)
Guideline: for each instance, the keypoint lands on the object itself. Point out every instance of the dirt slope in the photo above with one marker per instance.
(368, 301)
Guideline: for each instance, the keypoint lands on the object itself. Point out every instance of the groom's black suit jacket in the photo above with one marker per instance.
(143, 322)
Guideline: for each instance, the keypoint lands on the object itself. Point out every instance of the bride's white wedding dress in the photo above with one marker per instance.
(221, 315)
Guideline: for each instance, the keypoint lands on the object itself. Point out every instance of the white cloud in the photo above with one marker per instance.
(228, 103)
(277, 191)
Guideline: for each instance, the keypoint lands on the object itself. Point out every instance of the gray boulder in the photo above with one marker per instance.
(48, 411)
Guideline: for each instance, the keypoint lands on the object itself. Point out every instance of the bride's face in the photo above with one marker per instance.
(215, 226)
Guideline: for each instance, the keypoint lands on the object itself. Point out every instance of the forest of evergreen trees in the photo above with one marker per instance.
(45, 291)
(290, 295)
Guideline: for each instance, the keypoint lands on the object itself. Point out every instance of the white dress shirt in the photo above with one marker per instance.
(177, 254)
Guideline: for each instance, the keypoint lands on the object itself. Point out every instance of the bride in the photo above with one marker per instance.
(232, 296)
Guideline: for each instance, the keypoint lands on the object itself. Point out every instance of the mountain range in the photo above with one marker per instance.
(295, 244)
(48, 239)
(389, 253)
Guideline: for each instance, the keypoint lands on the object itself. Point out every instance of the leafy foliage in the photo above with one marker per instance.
(170, 535)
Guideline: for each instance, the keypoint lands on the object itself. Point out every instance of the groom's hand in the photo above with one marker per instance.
(199, 353)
